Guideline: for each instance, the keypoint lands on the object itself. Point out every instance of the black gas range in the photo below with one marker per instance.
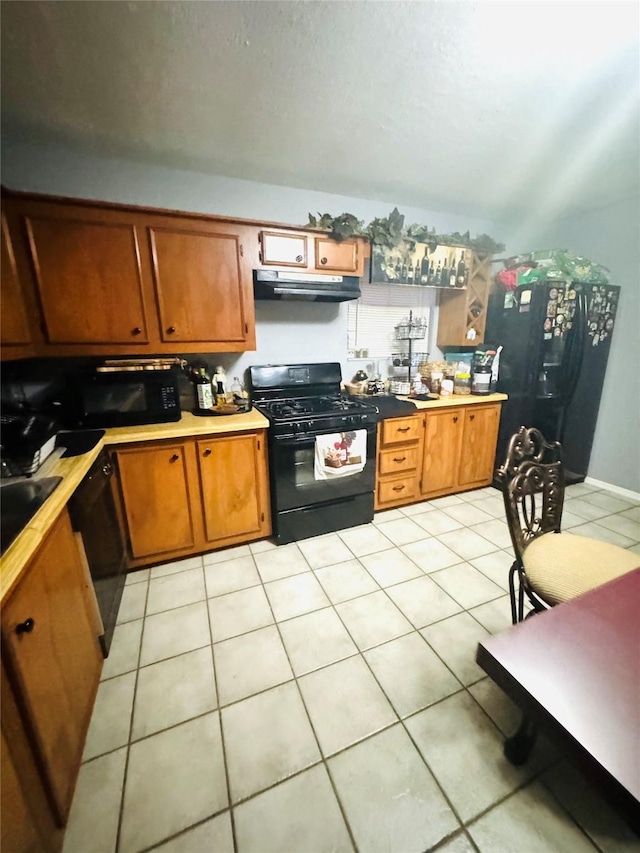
(307, 413)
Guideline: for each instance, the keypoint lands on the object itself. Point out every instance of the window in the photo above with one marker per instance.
(372, 319)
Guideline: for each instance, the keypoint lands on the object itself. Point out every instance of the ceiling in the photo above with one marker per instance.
(479, 107)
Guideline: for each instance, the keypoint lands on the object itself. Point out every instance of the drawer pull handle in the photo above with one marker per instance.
(174, 458)
(323, 260)
(398, 488)
(455, 420)
(207, 452)
(400, 459)
(403, 429)
(299, 259)
(25, 627)
(471, 417)
(136, 331)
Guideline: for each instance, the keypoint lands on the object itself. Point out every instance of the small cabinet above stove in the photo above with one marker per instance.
(309, 252)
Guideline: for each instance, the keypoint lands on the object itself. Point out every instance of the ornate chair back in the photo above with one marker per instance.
(532, 479)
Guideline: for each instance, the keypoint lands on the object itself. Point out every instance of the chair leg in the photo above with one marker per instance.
(517, 748)
(520, 602)
(512, 592)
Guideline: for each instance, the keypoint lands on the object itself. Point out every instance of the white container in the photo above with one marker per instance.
(446, 387)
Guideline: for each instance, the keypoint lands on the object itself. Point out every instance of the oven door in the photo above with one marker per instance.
(293, 479)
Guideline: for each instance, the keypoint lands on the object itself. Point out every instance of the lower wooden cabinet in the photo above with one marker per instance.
(435, 453)
(51, 663)
(193, 495)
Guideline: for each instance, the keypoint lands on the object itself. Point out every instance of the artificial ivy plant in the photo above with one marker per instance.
(390, 231)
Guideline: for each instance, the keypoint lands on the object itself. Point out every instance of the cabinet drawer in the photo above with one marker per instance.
(399, 489)
(395, 461)
(396, 430)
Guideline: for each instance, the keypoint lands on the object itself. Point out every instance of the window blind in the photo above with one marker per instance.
(372, 319)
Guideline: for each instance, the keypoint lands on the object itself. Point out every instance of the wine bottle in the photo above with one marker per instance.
(438, 273)
(398, 271)
(444, 275)
(462, 272)
(405, 273)
(204, 395)
(452, 271)
(432, 274)
(424, 268)
(410, 273)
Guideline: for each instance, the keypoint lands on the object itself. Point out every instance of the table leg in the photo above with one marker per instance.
(517, 748)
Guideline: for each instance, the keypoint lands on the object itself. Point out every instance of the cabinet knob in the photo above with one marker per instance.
(174, 458)
(171, 330)
(25, 627)
(136, 331)
(455, 420)
(471, 417)
(323, 260)
(299, 259)
(207, 452)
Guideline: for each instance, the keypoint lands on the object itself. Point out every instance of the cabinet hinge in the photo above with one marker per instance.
(241, 250)
(258, 444)
(246, 328)
(261, 516)
(260, 255)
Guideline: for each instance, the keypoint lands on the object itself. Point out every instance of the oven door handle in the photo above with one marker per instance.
(311, 436)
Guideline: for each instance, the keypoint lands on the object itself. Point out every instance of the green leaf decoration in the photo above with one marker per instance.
(390, 231)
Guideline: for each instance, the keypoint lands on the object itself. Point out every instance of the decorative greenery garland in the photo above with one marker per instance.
(390, 231)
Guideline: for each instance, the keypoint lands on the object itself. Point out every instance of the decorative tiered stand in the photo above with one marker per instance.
(411, 330)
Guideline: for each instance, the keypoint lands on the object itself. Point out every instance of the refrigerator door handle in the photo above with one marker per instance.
(575, 348)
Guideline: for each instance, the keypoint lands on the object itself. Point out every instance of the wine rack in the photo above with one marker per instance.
(463, 314)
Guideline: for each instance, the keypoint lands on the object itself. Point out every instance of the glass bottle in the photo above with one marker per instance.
(204, 395)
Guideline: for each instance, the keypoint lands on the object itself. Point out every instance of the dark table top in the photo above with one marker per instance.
(577, 667)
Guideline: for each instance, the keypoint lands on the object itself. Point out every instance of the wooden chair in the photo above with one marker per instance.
(551, 566)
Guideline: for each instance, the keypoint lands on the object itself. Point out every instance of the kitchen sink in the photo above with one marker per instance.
(19, 502)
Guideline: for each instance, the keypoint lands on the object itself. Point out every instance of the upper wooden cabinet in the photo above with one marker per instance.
(288, 249)
(198, 279)
(89, 277)
(116, 280)
(463, 313)
(15, 333)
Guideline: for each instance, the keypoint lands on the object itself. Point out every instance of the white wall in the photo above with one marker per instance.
(286, 332)
(610, 236)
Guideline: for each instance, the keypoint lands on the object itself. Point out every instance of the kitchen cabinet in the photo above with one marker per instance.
(193, 495)
(15, 333)
(288, 249)
(400, 443)
(53, 662)
(234, 487)
(462, 314)
(120, 280)
(436, 452)
(157, 499)
(479, 439)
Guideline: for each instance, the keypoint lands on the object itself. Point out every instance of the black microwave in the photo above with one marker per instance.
(124, 396)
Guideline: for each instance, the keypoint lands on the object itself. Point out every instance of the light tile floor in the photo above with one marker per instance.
(323, 696)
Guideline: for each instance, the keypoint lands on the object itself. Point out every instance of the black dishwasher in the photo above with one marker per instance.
(94, 515)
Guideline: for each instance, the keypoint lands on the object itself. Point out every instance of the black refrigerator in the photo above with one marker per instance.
(556, 338)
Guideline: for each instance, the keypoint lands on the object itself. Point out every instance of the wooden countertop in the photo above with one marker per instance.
(457, 400)
(73, 469)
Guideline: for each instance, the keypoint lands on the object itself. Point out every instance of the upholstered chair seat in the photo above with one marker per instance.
(561, 566)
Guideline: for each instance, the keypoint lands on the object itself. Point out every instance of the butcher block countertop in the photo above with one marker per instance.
(457, 400)
(73, 469)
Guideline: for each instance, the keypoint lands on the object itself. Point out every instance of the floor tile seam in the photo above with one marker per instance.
(466, 559)
(232, 591)
(360, 595)
(225, 760)
(322, 759)
(465, 563)
(128, 745)
(186, 829)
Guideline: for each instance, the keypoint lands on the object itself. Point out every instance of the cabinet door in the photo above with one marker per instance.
(442, 451)
(233, 481)
(283, 250)
(13, 316)
(336, 257)
(479, 445)
(54, 658)
(88, 274)
(198, 283)
(156, 498)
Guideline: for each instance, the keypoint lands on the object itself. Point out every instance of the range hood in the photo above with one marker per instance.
(270, 284)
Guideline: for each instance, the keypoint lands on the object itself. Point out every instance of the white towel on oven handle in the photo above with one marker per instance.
(326, 452)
